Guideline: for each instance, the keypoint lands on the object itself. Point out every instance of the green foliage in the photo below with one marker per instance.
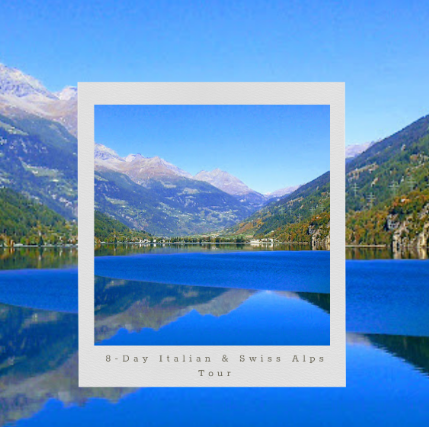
(303, 232)
(25, 221)
(294, 218)
(107, 229)
(392, 167)
(406, 216)
(395, 171)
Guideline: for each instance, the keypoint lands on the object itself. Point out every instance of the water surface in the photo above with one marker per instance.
(387, 364)
(142, 313)
(304, 271)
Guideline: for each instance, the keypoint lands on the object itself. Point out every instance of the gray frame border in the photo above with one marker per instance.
(94, 371)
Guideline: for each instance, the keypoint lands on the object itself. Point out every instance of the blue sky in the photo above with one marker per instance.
(268, 147)
(380, 49)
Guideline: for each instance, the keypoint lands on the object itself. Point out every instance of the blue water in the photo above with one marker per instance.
(388, 297)
(211, 298)
(387, 375)
(306, 271)
(266, 318)
(48, 289)
(381, 391)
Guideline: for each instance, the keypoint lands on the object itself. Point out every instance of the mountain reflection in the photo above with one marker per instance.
(414, 350)
(39, 360)
(134, 305)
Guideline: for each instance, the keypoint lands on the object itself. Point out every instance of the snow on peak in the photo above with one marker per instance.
(132, 157)
(68, 93)
(16, 83)
(224, 181)
(101, 152)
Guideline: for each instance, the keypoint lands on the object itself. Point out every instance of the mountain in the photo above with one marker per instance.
(396, 165)
(21, 94)
(356, 149)
(38, 147)
(149, 193)
(144, 169)
(231, 185)
(140, 169)
(166, 207)
(38, 157)
(154, 195)
(302, 216)
(67, 94)
(282, 192)
(106, 158)
(387, 190)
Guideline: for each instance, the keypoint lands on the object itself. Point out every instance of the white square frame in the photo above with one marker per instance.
(94, 370)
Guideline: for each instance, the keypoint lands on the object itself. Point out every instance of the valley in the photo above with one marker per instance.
(387, 186)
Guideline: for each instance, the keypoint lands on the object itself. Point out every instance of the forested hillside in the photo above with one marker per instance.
(107, 229)
(387, 190)
(303, 216)
(31, 223)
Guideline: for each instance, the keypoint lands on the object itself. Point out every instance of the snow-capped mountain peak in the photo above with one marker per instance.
(16, 83)
(224, 181)
(131, 157)
(69, 92)
(21, 94)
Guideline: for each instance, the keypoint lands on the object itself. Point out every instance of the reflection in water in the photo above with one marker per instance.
(38, 361)
(135, 305)
(132, 306)
(135, 249)
(386, 253)
(414, 350)
(322, 301)
(19, 258)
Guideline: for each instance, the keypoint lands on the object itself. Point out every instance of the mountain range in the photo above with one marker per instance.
(157, 196)
(144, 169)
(152, 194)
(38, 159)
(387, 180)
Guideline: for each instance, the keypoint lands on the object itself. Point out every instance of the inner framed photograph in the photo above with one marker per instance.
(211, 220)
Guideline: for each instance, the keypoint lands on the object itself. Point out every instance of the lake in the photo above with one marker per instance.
(387, 355)
(213, 298)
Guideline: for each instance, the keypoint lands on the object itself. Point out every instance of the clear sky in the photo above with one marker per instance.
(268, 147)
(379, 48)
